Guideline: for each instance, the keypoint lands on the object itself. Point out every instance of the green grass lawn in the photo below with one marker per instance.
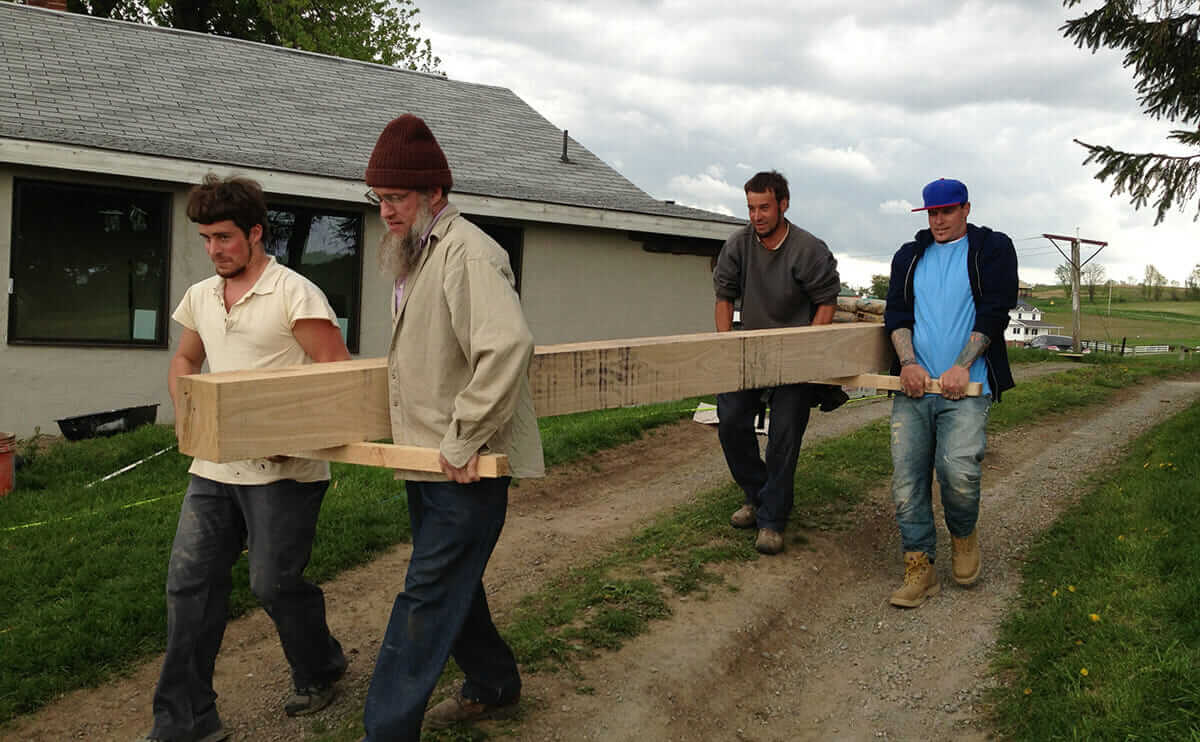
(1105, 642)
(84, 568)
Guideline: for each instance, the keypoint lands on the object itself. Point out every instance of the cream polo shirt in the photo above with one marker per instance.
(256, 332)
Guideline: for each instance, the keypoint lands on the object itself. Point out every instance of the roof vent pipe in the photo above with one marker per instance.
(564, 157)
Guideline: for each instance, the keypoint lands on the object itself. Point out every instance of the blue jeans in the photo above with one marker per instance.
(443, 610)
(934, 433)
(768, 484)
(276, 523)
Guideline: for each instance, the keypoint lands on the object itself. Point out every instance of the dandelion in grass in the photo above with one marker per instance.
(1121, 537)
(1083, 671)
(1029, 691)
(1071, 588)
(1054, 594)
(1079, 642)
(1094, 616)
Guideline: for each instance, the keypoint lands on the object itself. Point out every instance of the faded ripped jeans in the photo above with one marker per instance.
(443, 611)
(276, 523)
(929, 434)
(768, 484)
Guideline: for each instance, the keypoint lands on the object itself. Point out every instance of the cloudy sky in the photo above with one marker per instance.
(858, 104)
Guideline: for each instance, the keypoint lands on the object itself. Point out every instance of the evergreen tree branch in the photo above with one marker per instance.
(1148, 178)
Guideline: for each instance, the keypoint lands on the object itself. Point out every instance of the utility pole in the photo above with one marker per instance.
(1076, 266)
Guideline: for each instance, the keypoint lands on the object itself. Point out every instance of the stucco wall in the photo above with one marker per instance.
(590, 284)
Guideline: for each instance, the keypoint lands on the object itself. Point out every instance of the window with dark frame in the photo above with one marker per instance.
(89, 265)
(325, 246)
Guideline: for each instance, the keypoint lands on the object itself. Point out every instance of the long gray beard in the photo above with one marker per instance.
(398, 254)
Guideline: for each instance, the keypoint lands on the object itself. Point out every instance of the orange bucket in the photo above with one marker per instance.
(8, 480)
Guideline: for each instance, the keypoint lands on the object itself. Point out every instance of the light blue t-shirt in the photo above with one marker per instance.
(944, 310)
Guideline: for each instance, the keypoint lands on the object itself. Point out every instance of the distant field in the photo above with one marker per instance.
(1140, 323)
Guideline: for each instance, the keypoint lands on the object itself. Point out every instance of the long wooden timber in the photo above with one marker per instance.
(892, 383)
(250, 414)
(409, 458)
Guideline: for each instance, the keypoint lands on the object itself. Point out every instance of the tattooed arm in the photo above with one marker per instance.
(912, 376)
(954, 381)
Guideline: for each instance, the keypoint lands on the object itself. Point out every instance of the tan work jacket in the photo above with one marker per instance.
(458, 364)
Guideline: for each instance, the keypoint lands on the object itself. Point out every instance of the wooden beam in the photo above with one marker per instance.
(892, 383)
(409, 458)
(237, 415)
(577, 377)
(249, 414)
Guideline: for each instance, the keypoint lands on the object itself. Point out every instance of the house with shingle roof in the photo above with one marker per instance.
(104, 125)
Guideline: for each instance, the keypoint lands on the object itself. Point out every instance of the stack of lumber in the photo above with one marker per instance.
(855, 309)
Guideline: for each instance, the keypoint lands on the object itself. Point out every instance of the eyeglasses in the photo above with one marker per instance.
(391, 199)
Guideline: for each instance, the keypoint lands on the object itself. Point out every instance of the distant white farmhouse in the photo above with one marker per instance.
(1025, 323)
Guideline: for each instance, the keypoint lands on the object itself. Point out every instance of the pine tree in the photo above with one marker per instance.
(1161, 41)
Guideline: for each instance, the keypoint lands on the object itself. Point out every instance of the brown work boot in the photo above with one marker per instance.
(920, 581)
(966, 558)
(744, 517)
(460, 710)
(768, 541)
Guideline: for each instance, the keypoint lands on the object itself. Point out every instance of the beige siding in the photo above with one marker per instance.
(590, 284)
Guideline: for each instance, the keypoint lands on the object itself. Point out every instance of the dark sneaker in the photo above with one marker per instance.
(220, 734)
(310, 700)
(460, 710)
(305, 701)
(743, 517)
(768, 541)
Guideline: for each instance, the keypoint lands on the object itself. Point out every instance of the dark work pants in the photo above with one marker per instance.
(276, 523)
(443, 610)
(767, 484)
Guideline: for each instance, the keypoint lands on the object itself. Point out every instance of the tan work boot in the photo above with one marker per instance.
(460, 710)
(768, 541)
(920, 581)
(744, 517)
(966, 558)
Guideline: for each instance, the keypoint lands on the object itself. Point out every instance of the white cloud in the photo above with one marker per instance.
(705, 191)
(846, 161)
(895, 206)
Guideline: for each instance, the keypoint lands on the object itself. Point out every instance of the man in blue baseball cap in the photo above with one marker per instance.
(947, 307)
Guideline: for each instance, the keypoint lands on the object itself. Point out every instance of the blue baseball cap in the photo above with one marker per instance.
(943, 192)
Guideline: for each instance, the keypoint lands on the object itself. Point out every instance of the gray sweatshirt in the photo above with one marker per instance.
(778, 288)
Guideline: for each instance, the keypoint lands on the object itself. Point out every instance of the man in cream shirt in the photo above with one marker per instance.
(254, 313)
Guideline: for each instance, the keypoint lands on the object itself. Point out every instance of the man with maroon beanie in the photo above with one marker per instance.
(457, 381)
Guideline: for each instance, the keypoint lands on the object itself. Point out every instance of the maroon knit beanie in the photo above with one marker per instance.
(408, 156)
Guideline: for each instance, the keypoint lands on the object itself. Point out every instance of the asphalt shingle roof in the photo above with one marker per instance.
(73, 79)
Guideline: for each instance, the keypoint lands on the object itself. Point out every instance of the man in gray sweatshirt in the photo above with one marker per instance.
(784, 277)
